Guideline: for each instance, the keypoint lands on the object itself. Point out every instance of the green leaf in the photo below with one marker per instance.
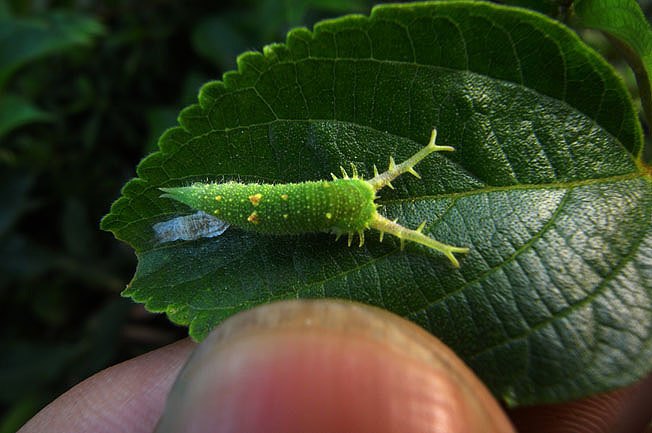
(22, 40)
(624, 21)
(16, 111)
(546, 187)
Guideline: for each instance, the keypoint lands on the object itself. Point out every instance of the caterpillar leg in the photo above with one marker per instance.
(407, 166)
(404, 234)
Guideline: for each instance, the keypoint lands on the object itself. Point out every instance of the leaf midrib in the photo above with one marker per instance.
(490, 189)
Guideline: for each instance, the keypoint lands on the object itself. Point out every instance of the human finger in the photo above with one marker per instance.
(327, 366)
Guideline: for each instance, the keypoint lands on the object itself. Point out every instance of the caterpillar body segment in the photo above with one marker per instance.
(340, 206)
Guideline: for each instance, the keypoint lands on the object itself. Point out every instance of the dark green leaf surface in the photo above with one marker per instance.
(546, 188)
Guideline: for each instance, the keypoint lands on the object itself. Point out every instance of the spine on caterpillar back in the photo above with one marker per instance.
(340, 206)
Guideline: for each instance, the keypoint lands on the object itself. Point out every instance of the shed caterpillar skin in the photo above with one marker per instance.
(339, 206)
(189, 227)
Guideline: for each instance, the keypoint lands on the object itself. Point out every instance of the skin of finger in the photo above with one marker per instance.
(128, 397)
(626, 410)
(325, 366)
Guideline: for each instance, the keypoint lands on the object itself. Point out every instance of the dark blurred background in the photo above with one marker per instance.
(86, 89)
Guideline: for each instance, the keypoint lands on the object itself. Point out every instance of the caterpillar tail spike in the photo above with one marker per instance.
(395, 170)
(404, 234)
(384, 225)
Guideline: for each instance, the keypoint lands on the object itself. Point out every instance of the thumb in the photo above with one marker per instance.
(327, 366)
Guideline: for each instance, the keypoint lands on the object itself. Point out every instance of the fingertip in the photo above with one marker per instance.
(327, 366)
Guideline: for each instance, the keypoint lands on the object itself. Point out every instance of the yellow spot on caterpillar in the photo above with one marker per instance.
(284, 196)
(218, 197)
(329, 215)
(253, 218)
(285, 216)
(326, 184)
(217, 212)
(255, 199)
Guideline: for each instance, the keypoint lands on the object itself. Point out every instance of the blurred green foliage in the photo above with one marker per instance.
(86, 89)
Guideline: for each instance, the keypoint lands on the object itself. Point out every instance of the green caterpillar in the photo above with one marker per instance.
(339, 206)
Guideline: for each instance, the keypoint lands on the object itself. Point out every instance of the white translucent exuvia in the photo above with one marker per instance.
(190, 227)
